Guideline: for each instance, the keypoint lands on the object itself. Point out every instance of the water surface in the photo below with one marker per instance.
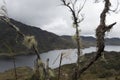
(69, 57)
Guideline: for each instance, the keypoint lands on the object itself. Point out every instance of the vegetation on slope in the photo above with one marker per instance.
(46, 40)
(102, 69)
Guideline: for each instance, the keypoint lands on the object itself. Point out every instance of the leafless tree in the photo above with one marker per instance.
(102, 28)
(59, 71)
(13, 57)
(72, 6)
(100, 33)
(29, 41)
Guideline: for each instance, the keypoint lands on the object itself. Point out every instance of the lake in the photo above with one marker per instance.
(69, 57)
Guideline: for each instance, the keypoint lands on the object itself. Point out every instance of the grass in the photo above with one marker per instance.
(23, 73)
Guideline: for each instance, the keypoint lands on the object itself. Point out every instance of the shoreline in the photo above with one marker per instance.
(96, 71)
(9, 55)
(87, 55)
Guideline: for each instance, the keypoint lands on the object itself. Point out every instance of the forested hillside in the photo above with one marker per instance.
(46, 40)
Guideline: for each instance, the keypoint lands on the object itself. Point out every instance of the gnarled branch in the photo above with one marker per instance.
(100, 34)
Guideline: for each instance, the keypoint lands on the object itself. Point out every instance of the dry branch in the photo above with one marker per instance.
(41, 65)
(71, 5)
(59, 71)
(100, 34)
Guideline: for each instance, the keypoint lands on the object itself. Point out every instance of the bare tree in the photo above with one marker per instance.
(28, 41)
(59, 70)
(31, 43)
(100, 34)
(72, 4)
(13, 57)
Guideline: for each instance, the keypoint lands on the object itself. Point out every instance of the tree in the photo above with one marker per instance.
(28, 41)
(13, 57)
(71, 5)
(31, 43)
(100, 33)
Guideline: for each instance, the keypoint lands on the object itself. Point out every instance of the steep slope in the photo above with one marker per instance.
(46, 40)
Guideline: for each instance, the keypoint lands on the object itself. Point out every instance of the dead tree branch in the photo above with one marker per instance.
(100, 34)
(71, 5)
(76, 19)
(59, 72)
(7, 21)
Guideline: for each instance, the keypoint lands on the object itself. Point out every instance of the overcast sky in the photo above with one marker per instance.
(51, 16)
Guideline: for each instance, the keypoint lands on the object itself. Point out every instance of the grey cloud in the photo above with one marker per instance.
(46, 12)
(29, 11)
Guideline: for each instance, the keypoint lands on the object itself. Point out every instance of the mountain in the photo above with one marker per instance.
(46, 40)
(88, 41)
(113, 41)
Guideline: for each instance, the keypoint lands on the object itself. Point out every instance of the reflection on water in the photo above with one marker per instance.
(69, 56)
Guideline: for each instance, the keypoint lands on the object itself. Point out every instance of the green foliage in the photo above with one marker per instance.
(104, 74)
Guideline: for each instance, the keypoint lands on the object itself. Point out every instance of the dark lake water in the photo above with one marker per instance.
(69, 57)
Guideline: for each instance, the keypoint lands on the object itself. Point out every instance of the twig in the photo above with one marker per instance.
(14, 63)
(76, 21)
(59, 72)
(7, 20)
